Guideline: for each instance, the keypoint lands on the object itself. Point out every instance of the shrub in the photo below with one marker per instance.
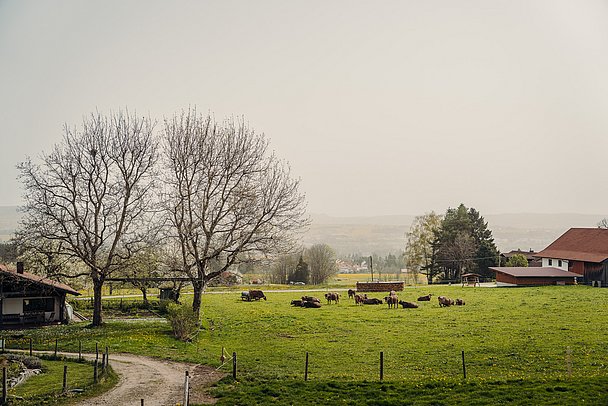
(29, 362)
(183, 321)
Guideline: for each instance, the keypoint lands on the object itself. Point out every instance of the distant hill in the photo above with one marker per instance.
(384, 234)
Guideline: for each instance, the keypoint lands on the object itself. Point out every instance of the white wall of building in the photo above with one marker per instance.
(556, 263)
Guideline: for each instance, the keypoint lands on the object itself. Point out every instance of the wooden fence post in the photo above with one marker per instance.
(234, 365)
(96, 352)
(187, 390)
(107, 356)
(464, 366)
(65, 378)
(381, 365)
(79, 350)
(95, 372)
(55, 348)
(4, 387)
(306, 368)
(30, 346)
(103, 361)
(142, 402)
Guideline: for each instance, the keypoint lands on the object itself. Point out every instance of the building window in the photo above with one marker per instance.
(550, 262)
(559, 263)
(38, 305)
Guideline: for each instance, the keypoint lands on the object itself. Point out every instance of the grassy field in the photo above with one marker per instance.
(543, 345)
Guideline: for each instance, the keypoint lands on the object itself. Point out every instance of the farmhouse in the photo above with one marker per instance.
(523, 276)
(29, 300)
(583, 251)
(531, 256)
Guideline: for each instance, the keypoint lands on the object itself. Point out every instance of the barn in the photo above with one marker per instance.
(583, 251)
(30, 300)
(524, 276)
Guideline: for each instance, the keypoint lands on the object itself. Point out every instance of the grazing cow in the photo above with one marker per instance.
(445, 302)
(312, 305)
(426, 298)
(408, 305)
(245, 296)
(256, 295)
(297, 303)
(310, 299)
(459, 302)
(351, 293)
(372, 301)
(392, 301)
(331, 296)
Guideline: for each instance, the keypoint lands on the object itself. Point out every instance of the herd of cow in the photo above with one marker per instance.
(392, 299)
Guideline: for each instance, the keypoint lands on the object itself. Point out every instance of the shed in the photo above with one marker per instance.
(523, 276)
(470, 279)
(30, 300)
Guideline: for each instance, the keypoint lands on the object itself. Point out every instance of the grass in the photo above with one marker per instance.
(46, 388)
(542, 345)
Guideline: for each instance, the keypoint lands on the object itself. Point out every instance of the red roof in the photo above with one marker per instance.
(534, 272)
(579, 244)
(38, 279)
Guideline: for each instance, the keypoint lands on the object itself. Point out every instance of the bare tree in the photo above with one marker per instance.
(321, 259)
(90, 194)
(282, 267)
(419, 250)
(226, 197)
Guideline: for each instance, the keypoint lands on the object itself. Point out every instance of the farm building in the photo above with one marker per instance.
(524, 276)
(583, 251)
(531, 256)
(29, 300)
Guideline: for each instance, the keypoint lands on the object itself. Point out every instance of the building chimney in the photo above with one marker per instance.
(20, 268)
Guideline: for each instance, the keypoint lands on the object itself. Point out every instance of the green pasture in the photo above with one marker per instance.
(544, 345)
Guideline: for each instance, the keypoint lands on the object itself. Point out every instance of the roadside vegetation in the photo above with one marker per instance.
(542, 345)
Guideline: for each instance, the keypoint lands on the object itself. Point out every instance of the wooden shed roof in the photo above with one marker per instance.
(579, 244)
(6, 270)
(534, 272)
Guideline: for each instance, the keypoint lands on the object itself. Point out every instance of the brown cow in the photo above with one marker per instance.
(256, 295)
(426, 298)
(459, 302)
(392, 301)
(312, 305)
(359, 299)
(408, 305)
(331, 296)
(351, 293)
(445, 302)
(372, 301)
(310, 299)
(296, 302)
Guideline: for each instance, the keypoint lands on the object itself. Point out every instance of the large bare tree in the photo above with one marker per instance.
(90, 195)
(321, 259)
(226, 196)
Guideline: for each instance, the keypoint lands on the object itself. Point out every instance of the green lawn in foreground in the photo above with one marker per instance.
(528, 345)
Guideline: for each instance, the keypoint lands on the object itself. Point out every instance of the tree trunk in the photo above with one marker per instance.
(144, 292)
(199, 288)
(97, 285)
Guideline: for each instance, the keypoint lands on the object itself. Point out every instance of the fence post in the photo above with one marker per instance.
(79, 350)
(187, 390)
(30, 346)
(95, 372)
(96, 351)
(142, 402)
(306, 368)
(3, 340)
(234, 365)
(464, 366)
(65, 378)
(103, 362)
(55, 348)
(107, 356)
(381, 365)
(4, 387)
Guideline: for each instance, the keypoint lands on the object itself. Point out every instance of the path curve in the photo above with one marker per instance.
(158, 382)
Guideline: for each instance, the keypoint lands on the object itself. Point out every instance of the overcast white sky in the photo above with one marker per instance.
(381, 107)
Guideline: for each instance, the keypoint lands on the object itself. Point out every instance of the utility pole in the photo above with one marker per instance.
(371, 267)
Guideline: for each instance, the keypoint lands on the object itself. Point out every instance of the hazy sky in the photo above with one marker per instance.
(381, 107)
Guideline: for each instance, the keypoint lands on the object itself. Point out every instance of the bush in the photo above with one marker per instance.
(29, 362)
(183, 321)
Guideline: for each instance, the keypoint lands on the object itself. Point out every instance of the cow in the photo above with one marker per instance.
(445, 302)
(312, 305)
(359, 299)
(392, 301)
(297, 303)
(245, 296)
(426, 298)
(408, 305)
(331, 296)
(310, 299)
(459, 302)
(351, 293)
(372, 301)
(256, 295)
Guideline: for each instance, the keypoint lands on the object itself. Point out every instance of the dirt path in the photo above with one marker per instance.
(156, 381)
